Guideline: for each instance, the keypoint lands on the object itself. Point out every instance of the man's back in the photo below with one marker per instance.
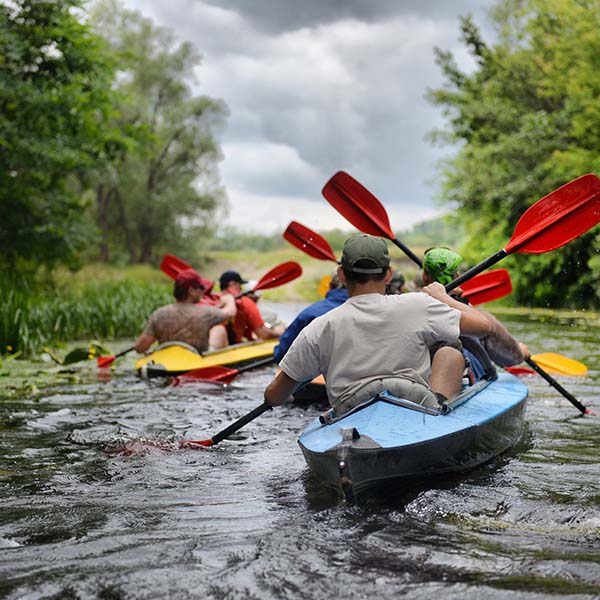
(189, 323)
(333, 299)
(369, 337)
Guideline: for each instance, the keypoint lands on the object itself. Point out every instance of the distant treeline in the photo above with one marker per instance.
(110, 154)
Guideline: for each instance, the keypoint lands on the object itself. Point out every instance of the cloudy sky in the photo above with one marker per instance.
(315, 86)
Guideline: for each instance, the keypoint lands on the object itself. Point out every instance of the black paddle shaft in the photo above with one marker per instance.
(556, 385)
(482, 266)
(259, 410)
(408, 252)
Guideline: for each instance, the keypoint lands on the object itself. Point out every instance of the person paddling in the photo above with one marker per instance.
(248, 323)
(441, 264)
(186, 321)
(374, 342)
(335, 297)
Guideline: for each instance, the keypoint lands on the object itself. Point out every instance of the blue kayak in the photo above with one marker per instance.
(390, 438)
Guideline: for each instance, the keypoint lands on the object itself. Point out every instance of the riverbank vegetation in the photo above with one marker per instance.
(111, 152)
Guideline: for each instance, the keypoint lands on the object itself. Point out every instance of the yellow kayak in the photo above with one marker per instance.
(175, 358)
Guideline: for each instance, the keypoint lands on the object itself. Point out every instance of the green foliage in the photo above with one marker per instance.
(527, 121)
(161, 191)
(30, 320)
(231, 239)
(55, 95)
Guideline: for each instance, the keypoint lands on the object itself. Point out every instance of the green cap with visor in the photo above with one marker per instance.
(441, 264)
(365, 254)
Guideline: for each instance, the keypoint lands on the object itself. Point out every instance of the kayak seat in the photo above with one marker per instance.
(175, 343)
(479, 362)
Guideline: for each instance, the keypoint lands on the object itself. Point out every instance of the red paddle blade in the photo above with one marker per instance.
(358, 205)
(196, 444)
(104, 361)
(172, 266)
(308, 241)
(558, 218)
(487, 287)
(279, 275)
(215, 374)
(520, 370)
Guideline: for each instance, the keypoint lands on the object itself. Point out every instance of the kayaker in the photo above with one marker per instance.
(441, 265)
(248, 323)
(186, 320)
(374, 342)
(396, 285)
(337, 295)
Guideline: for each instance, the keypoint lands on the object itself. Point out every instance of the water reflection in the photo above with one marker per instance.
(98, 502)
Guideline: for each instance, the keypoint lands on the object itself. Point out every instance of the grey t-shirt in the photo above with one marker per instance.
(370, 337)
(184, 322)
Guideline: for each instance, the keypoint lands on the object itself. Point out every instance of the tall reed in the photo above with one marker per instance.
(117, 309)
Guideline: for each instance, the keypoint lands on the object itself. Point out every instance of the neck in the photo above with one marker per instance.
(371, 287)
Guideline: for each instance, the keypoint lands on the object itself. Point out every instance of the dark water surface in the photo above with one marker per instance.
(97, 502)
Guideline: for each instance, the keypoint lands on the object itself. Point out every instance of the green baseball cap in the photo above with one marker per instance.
(441, 264)
(365, 254)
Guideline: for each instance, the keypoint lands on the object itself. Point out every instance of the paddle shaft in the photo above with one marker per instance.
(259, 410)
(124, 352)
(557, 386)
(482, 266)
(408, 252)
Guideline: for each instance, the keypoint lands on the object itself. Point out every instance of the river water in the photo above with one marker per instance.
(98, 502)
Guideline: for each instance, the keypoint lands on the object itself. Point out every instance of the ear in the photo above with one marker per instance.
(388, 275)
(341, 275)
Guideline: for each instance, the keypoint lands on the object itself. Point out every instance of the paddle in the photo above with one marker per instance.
(552, 363)
(259, 410)
(584, 410)
(357, 204)
(172, 266)
(309, 241)
(487, 287)
(277, 276)
(482, 288)
(556, 363)
(550, 223)
(218, 373)
(105, 361)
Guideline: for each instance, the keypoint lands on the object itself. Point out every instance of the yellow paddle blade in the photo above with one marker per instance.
(557, 363)
(324, 285)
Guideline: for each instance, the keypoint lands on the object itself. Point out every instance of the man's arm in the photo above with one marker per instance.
(502, 347)
(227, 306)
(472, 321)
(280, 389)
(144, 342)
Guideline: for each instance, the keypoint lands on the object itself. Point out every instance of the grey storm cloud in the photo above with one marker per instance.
(315, 86)
(272, 16)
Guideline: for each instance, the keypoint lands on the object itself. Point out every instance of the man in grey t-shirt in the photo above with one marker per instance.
(374, 342)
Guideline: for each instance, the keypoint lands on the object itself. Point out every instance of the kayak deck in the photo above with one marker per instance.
(175, 359)
(389, 438)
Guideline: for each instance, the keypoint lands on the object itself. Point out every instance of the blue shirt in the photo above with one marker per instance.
(333, 299)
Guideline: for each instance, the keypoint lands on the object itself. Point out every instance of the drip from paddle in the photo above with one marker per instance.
(219, 437)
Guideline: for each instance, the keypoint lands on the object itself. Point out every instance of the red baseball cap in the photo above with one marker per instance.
(189, 278)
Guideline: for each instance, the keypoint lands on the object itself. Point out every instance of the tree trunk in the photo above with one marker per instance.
(103, 200)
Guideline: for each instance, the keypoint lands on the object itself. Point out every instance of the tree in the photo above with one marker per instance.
(55, 97)
(527, 121)
(163, 191)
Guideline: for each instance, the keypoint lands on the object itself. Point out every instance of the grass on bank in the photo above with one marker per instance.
(102, 302)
